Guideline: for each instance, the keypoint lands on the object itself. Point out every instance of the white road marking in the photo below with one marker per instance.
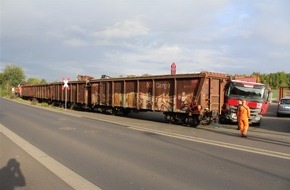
(218, 143)
(204, 141)
(74, 180)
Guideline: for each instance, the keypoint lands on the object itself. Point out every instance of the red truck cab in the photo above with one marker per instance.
(257, 95)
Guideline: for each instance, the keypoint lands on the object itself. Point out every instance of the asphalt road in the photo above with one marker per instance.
(128, 153)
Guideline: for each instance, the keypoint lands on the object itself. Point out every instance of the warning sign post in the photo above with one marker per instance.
(65, 87)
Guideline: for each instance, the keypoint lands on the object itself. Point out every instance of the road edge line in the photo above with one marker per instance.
(73, 179)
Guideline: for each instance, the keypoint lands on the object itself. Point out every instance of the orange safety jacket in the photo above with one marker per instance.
(243, 112)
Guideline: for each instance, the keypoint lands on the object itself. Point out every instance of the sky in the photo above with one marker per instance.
(52, 39)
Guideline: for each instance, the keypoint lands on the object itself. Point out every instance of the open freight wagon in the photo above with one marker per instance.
(77, 93)
(182, 98)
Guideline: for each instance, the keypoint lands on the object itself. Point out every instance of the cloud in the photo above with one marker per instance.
(273, 22)
(124, 29)
(75, 42)
(96, 37)
(274, 31)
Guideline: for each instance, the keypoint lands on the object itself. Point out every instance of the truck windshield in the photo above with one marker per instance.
(240, 90)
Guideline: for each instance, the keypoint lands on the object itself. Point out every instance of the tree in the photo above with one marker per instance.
(146, 75)
(288, 79)
(36, 81)
(12, 75)
(33, 81)
(282, 78)
(43, 81)
(1, 78)
(131, 76)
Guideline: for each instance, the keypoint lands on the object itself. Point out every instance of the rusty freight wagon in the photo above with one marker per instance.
(77, 93)
(39, 91)
(182, 98)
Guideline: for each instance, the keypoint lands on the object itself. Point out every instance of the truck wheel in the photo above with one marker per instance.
(257, 124)
(223, 120)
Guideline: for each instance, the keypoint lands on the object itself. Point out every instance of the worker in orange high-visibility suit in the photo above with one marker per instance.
(243, 116)
(240, 104)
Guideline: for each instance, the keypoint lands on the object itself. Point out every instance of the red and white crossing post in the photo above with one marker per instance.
(65, 87)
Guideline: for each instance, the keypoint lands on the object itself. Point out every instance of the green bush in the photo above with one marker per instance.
(275, 93)
(44, 104)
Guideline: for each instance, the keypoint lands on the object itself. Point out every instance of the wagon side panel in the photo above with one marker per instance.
(118, 94)
(131, 94)
(95, 93)
(81, 89)
(145, 94)
(186, 93)
(163, 95)
(102, 92)
(212, 94)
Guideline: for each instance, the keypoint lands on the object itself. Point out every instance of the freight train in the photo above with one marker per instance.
(183, 98)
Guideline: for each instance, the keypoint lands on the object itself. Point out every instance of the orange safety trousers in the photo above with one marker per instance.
(244, 125)
(243, 115)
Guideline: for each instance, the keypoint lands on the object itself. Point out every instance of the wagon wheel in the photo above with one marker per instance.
(169, 118)
(172, 119)
(195, 121)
